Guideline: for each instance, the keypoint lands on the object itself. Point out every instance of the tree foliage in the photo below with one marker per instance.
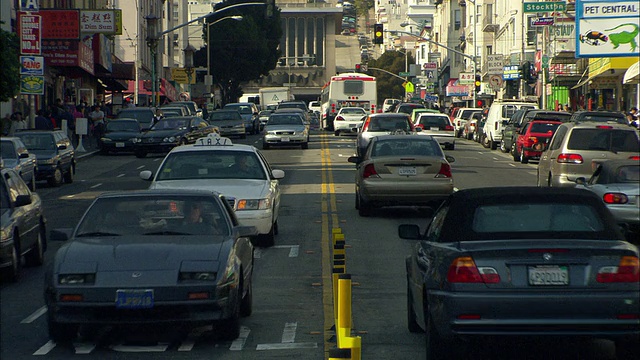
(240, 50)
(363, 6)
(394, 62)
(10, 65)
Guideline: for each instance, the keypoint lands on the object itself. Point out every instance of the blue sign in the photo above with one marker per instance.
(511, 72)
(31, 65)
(607, 28)
(29, 5)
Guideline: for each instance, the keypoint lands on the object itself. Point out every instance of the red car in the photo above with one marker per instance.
(534, 138)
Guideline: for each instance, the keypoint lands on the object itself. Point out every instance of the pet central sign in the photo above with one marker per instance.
(607, 28)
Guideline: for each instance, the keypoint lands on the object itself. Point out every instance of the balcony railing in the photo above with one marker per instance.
(489, 24)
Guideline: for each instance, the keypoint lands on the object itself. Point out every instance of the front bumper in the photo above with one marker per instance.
(285, 139)
(520, 313)
(232, 131)
(261, 219)
(6, 251)
(45, 171)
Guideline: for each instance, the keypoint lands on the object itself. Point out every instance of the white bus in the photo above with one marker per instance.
(348, 89)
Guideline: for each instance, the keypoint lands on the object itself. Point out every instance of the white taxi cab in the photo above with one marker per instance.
(240, 172)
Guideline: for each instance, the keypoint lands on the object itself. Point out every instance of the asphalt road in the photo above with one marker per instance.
(293, 311)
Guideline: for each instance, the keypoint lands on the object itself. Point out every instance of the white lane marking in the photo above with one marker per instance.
(96, 185)
(36, 314)
(160, 347)
(294, 251)
(44, 350)
(188, 344)
(140, 167)
(121, 175)
(512, 165)
(289, 332)
(158, 159)
(257, 253)
(84, 348)
(238, 344)
(281, 346)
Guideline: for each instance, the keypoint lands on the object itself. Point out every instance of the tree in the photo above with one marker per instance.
(10, 65)
(394, 62)
(240, 50)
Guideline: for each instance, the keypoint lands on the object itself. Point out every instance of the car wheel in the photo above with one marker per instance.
(267, 240)
(485, 141)
(275, 228)
(229, 329)
(61, 333)
(336, 133)
(140, 154)
(265, 146)
(68, 176)
(12, 272)
(436, 347)
(364, 209)
(246, 304)
(411, 314)
(357, 200)
(32, 183)
(523, 158)
(514, 153)
(494, 144)
(503, 147)
(35, 257)
(305, 145)
(56, 179)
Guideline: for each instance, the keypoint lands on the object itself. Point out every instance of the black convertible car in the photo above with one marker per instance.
(148, 258)
(171, 132)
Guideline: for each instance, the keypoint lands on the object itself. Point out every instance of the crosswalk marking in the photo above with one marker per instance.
(36, 314)
(160, 347)
(84, 348)
(238, 344)
(44, 350)
(289, 332)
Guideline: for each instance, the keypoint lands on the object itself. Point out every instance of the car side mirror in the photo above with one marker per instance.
(146, 175)
(277, 174)
(581, 180)
(409, 232)
(60, 234)
(354, 159)
(22, 200)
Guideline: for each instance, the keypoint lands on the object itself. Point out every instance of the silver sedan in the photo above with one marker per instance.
(285, 129)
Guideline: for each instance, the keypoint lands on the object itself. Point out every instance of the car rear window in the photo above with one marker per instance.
(628, 174)
(226, 115)
(605, 140)
(402, 147)
(544, 127)
(356, 111)
(389, 124)
(438, 121)
(242, 109)
(547, 116)
(466, 113)
(540, 217)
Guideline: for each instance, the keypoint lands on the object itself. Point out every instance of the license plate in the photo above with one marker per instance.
(284, 139)
(548, 275)
(352, 125)
(119, 144)
(434, 128)
(134, 299)
(407, 171)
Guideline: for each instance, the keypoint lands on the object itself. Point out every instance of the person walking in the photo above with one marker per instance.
(17, 123)
(97, 121)
(43, 121)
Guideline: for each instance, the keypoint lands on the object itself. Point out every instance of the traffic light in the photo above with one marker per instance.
(480, 103)
(477, 83)
(358, 68)
(533, 74)
(378, 32)
(526, 71)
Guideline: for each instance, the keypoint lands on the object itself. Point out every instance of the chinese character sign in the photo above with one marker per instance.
(98, 21)
(60, 24)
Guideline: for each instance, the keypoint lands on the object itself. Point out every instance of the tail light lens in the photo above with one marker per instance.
(569, 159)
(628, 270)
(369, 171)
(448, 127)
(464, 270)
(445, 171)
(339, 118)
(333, 108)
(634, 157)
(615, 198)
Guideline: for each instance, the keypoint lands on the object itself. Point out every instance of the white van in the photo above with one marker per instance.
(499, 114)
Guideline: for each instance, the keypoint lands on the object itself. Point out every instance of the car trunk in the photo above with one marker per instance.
(408, 168)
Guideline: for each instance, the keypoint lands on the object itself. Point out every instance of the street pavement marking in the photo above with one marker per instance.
(140, 167)
(96, 185)
(188, 344)
(44, 350)
(512, 165)
(160, 347)
(121, 175)
(293, 249)
(286, 346)
(289, 332)
(36, 314)
(84, 348)
(238, 344)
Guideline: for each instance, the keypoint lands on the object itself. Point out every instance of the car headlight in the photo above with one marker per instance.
(136, 140)
(6, 234)
(253, 204)
(198, 276)
(169, 139)
(105, 139)
(271, 132)
(239, 126)
(76, 279)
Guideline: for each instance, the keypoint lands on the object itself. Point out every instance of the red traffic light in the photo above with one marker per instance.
(480, 103)
(358, 67)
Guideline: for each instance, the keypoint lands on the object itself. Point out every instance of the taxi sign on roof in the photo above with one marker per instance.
(213, 140)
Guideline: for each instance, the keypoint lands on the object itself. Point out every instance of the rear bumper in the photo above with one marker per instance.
(394, 193)
(584, 314)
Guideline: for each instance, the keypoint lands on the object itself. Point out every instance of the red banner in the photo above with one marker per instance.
(30, 33)
(60, 24)
(68, 53)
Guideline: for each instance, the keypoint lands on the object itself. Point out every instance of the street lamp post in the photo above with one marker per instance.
(152, 42)
(234, 17)
(188, 65)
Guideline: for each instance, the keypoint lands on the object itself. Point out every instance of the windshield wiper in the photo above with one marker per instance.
(166, 232)
(97, 233)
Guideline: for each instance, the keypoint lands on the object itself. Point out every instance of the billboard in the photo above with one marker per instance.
(30, 33)
(60, 24)
(607, 28)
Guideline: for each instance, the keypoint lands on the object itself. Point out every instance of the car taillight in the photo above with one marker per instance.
(570, 159)
(339, 118)
(369, 171)
(604, 127)
(448, 127)
(615, 198)
(634, 157)
(445, 171)
(533, 139)
(464, 270)
(333, 108)
(628, 270)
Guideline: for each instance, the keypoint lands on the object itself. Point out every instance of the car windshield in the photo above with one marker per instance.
(540, 217)
(126, 126)
(8, 151)
(388, 124)
(154, 216)
(219, 164)
(403, 147)
(242, 109)
(225, 115)
(38, 141)
(408, 109)
(143, 117)
(171, 124)
(292, 106)
(544, 127)
(603, 139)
(356, 111)
(284, 120)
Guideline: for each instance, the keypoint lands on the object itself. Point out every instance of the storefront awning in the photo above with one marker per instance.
(632, 75)
(144, 86)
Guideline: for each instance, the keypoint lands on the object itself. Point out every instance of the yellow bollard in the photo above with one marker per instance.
(338, 237)
(336, 273)
(336, 230)
(344, 302)
(338, 248)
(335, 354)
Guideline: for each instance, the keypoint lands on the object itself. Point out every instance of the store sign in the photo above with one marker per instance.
(29, 5)
(30, 33)
(60, 24)
(511, 72)
(31, 85)
(31, 65)
(607, 28)
(466, 79)
(68, 53)
(98, 21)
(542, 21)
(457, 90)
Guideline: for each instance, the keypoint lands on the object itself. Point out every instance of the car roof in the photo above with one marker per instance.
(185, 117)
(389, 115)
(600, 125)
(136, 109)
(580, 113)
(519, 194)
(195, 147)
(413, 135)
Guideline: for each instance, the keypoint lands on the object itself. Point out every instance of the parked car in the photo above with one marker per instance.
(236, 170)
(599, 116)
(349, 119)
(537, 260)
(249, 112)
(55, 155)
(616, 183)
(520, 118)
(471, 127)
(195, 260)
(119, 135)
(402, 169)
(499, 114)
(460, 118)
(23, 224)
(229, 122)
(315, 106)
(16, 156)
(168, 133)
(381, 124)
(533, 139)
(144, 115)
(578, 147)
(285, 129)
(439, 127)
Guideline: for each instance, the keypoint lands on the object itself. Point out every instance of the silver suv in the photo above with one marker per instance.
(578, 147)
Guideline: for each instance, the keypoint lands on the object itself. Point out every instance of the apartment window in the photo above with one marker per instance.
(457, 19)
(531, 32)
(479, 14)
(489, 50)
